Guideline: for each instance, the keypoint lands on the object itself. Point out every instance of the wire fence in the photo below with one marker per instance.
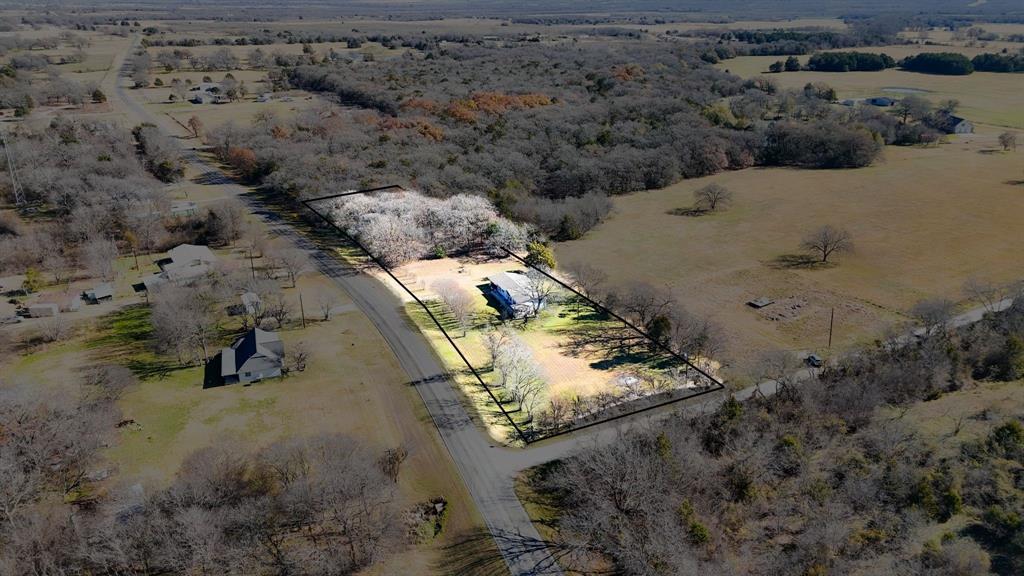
(704, 384)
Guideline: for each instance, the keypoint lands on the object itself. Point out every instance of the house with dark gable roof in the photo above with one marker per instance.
(257, 355)
(951, 124)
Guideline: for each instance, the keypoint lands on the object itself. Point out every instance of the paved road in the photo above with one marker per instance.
(490, 484)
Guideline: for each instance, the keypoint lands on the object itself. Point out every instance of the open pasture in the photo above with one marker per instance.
(985, 97)
(923, 221)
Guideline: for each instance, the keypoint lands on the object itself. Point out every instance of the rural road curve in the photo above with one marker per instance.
(489, 471)
(491, 485)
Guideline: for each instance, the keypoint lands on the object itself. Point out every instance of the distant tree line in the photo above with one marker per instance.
(559, 125)
(849, 62)
(944, 63)
(993, 62)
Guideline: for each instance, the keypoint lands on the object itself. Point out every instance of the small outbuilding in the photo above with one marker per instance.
(100, 293)
(881, 101)
(761, 302)
(43, 310)
(257, 355)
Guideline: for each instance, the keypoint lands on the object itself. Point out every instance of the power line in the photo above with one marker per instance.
(19, 197)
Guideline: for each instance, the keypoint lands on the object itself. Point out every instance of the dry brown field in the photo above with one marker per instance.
(924, 220)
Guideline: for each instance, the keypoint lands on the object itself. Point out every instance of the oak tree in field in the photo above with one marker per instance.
(196, 126)
(712, 197)
(912, 106)
(826, 241)
(1008, 140)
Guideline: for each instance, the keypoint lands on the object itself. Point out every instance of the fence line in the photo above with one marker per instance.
(714, 386)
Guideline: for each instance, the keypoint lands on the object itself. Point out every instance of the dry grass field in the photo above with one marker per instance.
(985, 97)
(924, 220)
(349, 387)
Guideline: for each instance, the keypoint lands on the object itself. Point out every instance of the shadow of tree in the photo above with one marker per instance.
(473, 554)
(127, 340)
(799, 261)
(692, 212)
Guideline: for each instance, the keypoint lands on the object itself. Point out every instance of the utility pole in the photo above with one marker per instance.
(19, 197)
(831, 321)
(252, 265)
(302, 311)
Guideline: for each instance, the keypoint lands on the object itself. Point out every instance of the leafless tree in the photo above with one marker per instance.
(299, 355)
(196, 126)
(989, 295)
(934, 314)
(540, 289)
(326, 300)
(1008, 140)
(391, 461)
(100, 257)
(458, 301)
(183, 318)
(712, 197)
(278, 307)
(293, 261)
(826, 241)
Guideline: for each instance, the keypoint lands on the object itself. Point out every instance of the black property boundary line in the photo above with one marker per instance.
(716, 385)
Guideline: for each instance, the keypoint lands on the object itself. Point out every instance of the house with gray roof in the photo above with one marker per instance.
(257, 355)
(99, 293)
(513, 294)
(184, 263)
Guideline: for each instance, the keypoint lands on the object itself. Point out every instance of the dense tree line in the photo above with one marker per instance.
(849, 62)
(945, 63)
(993, 62)
(814, 480)
(559, 123)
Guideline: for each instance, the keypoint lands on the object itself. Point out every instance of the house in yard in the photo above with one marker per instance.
(512, 291)
(257, 355)
(183, 264)
(100, 293)
(951, 124)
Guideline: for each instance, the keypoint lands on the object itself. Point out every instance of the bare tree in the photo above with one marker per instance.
(99, 257)
(299, 355)
(988, 294)
(326, 300)
(294, 262)
(196, 126)
(826, 241)
(934, 314)
(458, 301)
(279, 308)
(1008, 140)
(712, 197)
(183, 318)
(541, 291)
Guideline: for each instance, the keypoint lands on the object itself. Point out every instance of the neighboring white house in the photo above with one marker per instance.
(184, 263)
(951, 124)
(512, 291)
(257, 355)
